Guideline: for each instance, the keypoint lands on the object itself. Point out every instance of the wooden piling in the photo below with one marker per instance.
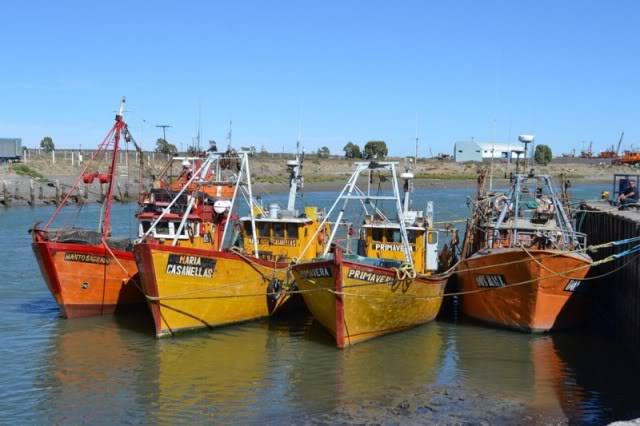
(57, 187)
(32, 193)
(5, 194)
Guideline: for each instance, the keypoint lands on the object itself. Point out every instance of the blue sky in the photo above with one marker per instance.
(342, 71)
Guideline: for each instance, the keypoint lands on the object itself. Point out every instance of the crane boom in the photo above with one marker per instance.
(619, 143)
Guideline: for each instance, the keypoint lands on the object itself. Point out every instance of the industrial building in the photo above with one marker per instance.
(10, 149)
(478, 151)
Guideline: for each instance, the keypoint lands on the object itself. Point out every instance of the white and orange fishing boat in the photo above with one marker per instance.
(89, 272)
(391, 282)
(210, 270)
(522, 261)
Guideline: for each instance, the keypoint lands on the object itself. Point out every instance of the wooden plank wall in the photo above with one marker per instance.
(616, 296)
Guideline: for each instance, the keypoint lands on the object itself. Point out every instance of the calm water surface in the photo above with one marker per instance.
(113, 369)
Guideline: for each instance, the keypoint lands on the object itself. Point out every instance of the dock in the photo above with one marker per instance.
(616, 285)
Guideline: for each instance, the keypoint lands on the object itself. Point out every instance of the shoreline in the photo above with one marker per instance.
(30, 192)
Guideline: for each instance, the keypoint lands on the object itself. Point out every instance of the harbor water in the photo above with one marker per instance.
(112, 369)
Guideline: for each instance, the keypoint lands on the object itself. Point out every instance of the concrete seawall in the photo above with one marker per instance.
(616, 295)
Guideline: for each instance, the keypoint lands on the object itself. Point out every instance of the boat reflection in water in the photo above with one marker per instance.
(271, 370)
(106, 368)
(562, 375)
(92, 369)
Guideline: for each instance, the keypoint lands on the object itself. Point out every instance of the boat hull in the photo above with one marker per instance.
(190, 289)
(546, 295)
(86, 279)
(356, 302)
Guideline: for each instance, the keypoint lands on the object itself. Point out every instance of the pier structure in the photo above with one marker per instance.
(615, 287)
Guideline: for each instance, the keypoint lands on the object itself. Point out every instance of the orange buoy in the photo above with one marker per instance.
(104, 178)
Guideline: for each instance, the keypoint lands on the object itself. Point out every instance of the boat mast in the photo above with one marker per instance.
(295, 178)
(105, 219)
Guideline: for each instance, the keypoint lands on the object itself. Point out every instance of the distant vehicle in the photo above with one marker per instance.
(10, 149)
(443, 157)
(629, 157)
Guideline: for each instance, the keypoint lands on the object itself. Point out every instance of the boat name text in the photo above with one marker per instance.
(289, 242)
(573, 285)
(370, 277)
(190, 266)
(490, 281)
(86, 258)
(315, 273)
(390, 247)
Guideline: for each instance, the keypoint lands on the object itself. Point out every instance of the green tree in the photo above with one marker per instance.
(543, 155)
(165, 147)
(351, 150)
(375, 149)
(324, 152)
(47, 144)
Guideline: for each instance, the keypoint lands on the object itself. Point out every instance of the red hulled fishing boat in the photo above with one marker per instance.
(87, 271)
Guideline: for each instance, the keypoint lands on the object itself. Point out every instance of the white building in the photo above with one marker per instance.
(478, 151)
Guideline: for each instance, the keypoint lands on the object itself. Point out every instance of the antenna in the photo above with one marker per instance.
(415, 159)
(229, 136)
(199, 122)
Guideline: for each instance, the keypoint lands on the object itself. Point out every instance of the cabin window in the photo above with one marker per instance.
(393, 236)
(412, 235)
(376, 234)
(278, 230)
(264, 229)
(292, 230)
(163, 228)
(248, 230)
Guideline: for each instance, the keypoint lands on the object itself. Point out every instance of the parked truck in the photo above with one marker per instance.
(10, 149)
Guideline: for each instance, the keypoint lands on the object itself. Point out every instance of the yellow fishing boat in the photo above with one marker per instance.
(211, 270)
(390, 284)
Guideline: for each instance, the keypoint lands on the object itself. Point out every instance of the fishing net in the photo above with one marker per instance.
(83, 236)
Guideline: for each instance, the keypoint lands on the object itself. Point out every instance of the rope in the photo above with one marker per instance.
(482, 290)
(405, 272)
(399, 271)
(131, 278)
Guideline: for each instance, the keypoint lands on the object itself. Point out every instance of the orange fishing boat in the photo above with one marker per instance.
(522, 261)
(390, 283)
(202, 267)
(89, 272)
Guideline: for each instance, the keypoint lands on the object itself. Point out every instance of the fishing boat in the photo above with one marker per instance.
(210, 270)
(90, 272)
(522, 262)
(391, 282)
(284, 232)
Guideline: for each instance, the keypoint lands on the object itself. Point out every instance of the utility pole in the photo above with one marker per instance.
(164, 130)
(229, 136)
